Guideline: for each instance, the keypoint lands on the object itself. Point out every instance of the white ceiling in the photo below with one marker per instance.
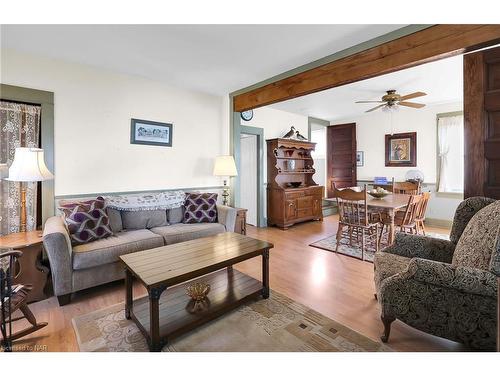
(441, 80)
(216, 59)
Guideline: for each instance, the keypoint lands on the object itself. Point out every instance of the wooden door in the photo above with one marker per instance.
(482, 123)
(341, 156)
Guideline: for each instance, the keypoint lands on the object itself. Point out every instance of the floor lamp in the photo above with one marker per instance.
(28, 166)
(226, 167)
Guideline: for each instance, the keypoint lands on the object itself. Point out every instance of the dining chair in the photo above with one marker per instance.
(354, 218)
(405, 220)
(13, 298)
(405, 187)
(420, 219)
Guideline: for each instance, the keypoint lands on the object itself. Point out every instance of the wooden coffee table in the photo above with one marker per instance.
(162, 316)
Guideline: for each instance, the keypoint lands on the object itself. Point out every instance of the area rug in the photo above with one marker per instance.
(330, 243)
(277, 324)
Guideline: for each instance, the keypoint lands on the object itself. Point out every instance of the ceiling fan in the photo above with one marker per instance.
(392, 99)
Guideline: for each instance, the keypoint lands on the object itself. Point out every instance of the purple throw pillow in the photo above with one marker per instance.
(86, 220)
(200, 208)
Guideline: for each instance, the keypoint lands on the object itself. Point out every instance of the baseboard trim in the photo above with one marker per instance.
(440, 223)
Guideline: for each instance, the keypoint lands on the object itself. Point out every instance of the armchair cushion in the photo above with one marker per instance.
(411, 246)
(476, 246)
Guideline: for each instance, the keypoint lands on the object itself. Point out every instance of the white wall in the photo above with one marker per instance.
(372, 127)
(93, 108)
(370, 132)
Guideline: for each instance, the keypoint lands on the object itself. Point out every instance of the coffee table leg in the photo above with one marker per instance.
(154, 318)
(265, 274)
(128, 292)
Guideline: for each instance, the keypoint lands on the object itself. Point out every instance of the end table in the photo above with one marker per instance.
(32, 271)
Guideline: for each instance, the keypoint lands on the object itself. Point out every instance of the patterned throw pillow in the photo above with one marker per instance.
(200, 208)
(86, 220)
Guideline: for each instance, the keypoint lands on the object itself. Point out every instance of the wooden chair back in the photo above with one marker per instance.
(412, 210)
(423, 206)
(405, 187)
(352, 205)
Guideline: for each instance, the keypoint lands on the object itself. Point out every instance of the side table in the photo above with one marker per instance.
(32, 271)
(241, 221)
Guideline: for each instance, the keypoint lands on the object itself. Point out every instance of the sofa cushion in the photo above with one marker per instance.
(144, 219)
(184, 232)
(387, 265)
(477, 243)
(200, 208)
(175, 215)
(86, 220)
(115, 219)
(108, 250)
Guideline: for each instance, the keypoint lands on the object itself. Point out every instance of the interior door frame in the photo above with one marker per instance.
(259, 133)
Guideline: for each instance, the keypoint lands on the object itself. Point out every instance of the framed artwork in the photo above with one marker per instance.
(360, 158)
(401, 150)
(143, 132)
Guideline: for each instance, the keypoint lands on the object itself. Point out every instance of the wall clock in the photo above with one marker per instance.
(247, 115)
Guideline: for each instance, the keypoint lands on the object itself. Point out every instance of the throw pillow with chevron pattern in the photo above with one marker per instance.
(200, 208)
(86, 220)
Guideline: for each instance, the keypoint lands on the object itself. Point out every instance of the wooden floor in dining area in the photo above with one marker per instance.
(337, 286)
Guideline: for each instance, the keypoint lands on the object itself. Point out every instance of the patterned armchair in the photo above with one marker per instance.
(445, 288)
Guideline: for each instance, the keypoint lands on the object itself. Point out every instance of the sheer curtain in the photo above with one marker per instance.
(450, 153)
(19, 127)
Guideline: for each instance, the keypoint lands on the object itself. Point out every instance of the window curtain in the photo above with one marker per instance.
(450, 152)
(19, 127)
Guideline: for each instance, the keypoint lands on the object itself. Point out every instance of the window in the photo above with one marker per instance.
(450, 128)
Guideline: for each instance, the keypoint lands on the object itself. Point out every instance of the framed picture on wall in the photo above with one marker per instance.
(360, 158)
(143, 132)
(401, 150)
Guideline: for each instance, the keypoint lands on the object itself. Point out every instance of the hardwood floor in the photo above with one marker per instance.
(338, 286)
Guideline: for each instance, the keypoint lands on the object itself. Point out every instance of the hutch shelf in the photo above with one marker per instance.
(290, 164)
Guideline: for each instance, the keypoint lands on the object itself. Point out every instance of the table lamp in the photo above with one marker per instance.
(28, 166)
(226, 167)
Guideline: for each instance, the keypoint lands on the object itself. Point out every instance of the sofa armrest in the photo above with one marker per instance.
(58, 246)
(463, 279)
(227, 216)
(413, 246)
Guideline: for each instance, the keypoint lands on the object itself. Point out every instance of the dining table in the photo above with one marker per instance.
(389, 204)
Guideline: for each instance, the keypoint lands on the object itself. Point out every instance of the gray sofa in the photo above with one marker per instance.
(83, 266)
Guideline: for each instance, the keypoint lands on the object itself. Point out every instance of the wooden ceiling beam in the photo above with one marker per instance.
(434, 43)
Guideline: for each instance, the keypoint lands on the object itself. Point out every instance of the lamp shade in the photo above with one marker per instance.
(225, 166)
(29, 166)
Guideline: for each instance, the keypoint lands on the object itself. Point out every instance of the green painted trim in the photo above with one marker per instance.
(89, 195)
(259, 132)
(46, 100)
(317, 121)
(396, 34)
(235, 121)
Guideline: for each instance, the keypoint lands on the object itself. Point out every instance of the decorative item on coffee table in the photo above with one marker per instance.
(225, 167)
(198, 292)
(292, 194)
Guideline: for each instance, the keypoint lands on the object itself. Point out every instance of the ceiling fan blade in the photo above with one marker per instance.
(412, 105)
(377, 107)
(412, 95)
(370, 101)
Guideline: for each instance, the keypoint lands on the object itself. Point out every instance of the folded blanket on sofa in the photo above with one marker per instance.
(146, 201)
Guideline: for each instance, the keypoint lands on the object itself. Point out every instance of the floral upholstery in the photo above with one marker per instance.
(477, 243)
(425, 290)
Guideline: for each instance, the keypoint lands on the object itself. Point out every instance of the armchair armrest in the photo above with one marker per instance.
(58, 246)
(464, 279)
(227, 216)
(412, 246)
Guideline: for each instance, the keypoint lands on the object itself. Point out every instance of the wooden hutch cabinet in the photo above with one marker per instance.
(289, 162)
